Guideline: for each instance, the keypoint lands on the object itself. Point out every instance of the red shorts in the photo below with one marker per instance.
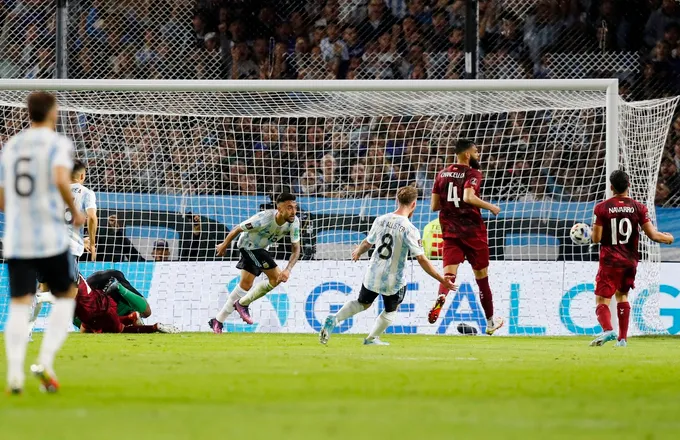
(98, 313)
(609, 280)
(475, 249)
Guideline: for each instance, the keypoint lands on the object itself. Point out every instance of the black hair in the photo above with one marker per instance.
(285, 197)
(462, 145)
(78, 166)
(620, 181)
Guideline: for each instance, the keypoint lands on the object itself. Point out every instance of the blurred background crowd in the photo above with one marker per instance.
(526, 155)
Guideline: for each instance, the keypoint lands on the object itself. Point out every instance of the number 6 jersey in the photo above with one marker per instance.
(34, 209)
(394, 236)
(620, 218)
(457, 218)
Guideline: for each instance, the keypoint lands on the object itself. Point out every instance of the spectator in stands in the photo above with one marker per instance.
(113, 245)
(309, 183)
(426, 173)
(241, 66)
(332, 46)
(196, 243)
(658, 21)
(198, 32)
(354, 47)
(377, 22)
(247, 184)
(418, 10)
(330, 180)
(676, 154)
(161, 251)
(669, 175)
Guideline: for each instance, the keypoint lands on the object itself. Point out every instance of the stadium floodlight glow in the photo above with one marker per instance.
(547, 147)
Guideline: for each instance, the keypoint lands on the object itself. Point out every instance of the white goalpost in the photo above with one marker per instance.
(176, 164)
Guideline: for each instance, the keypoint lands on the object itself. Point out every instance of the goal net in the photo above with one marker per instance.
(176, 165)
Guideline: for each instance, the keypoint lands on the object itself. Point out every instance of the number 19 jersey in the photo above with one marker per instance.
(457, 218)
(394, 237)
(34, 209)
(620, 219)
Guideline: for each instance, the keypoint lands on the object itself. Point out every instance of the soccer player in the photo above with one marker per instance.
(617, 228)
(35, 178)
(86, 201)
(97, 312)
(254, 236)
(396, 238)
(454, 195)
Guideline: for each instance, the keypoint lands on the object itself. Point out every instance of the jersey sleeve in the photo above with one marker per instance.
(372, 236)
(414, 243)
(643, 212)
(2, 170)
(256, 222)
(89, 201)
(295, 231)
(63, 156)
(436, 187)
(473, 180)
(597, 215)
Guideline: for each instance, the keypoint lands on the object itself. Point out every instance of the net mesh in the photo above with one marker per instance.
(175, 171)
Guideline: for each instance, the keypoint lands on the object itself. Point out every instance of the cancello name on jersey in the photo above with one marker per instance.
(261, 230)
(394, 237)
(34, 209)
(84, 199)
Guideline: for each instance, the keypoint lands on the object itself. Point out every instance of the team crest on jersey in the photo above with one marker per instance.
(473, 181)
(249, 226)
(265, 265)
(420, 243)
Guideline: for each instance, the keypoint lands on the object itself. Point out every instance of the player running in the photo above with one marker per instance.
(617, 228)
(35, 178)
(396, 238)
(86, 201)
(254, 236)
(454, 195)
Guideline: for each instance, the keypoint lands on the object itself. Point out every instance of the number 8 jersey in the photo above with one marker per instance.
(34, 209)
(457, 218)
(620, 218)
(394, 237)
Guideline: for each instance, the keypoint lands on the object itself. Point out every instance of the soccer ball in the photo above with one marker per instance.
(580, 234)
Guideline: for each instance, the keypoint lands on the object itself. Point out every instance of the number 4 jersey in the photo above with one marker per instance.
(84, 199)
(457, 218)
(620, 219)
(34, 209)
(394, 237)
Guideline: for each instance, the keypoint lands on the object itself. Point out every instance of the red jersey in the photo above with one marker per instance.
(621, 219)
(457, 218)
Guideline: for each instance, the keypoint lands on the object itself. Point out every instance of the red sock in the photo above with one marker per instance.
(140, 329)
(623, 309)
(128, 319)
(443, 290)
(485, 296)
(604, 317)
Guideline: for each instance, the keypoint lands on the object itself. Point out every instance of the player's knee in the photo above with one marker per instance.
(69, 292)
(389, 316)
(147, 312)
(245, 284)
(481, 273)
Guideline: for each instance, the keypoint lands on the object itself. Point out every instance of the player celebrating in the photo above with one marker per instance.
(85, 200)
(35, 177)
(254, 236)
(617, 223)
(396, 238)
(454, 195)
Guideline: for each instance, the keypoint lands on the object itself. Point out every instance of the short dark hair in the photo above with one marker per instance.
(39, 105)
(462, 145)
(78, 166)
(620, 181)
(285, 197)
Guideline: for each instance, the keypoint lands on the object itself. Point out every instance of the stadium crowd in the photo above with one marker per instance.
(345, 39)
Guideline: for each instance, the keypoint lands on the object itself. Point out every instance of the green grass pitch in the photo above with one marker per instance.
(258, 386)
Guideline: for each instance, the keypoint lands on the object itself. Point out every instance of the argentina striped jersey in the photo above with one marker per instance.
(261, 230)
(394, 237)
(84, 199)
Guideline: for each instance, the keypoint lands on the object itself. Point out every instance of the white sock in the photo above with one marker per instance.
(489, 322)
(350, 309)
(381, 323)
(256, 292)
(58, 323)
(228, 307)
(16, 341)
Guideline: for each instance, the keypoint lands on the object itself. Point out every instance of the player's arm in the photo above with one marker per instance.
(470, 197)
(222, 247)
(361, 249)
(2, 198)
(655, 235)
(435, 203)
(295, 250)
(431, 271)
(598, 221)
(92, 223)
